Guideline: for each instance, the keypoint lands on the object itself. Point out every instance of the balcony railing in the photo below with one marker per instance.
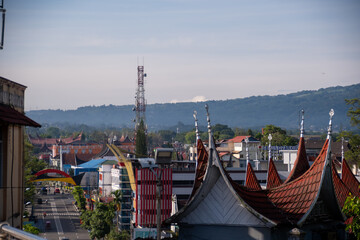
(9, 232)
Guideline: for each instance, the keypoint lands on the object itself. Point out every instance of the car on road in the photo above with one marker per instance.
(57, 190)
(48, 225)
(44, 190)
(39, 201)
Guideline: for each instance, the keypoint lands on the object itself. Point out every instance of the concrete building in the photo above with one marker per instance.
(12, 122)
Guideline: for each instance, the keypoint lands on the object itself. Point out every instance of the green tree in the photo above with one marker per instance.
(113, 235)
(279, 137)
(240, 132)
(79, 197)
(52, 132)
(190, 137)
(353, 155)
(222, 132)
(352, 210)
(141, 145)
(354, 111)
(32, 166)
(180, 137)
(31, 229)
(100, 221)
(117, 201)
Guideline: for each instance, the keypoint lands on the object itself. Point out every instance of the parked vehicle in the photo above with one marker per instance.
(39, 201)
(44, 190)
(57, 190)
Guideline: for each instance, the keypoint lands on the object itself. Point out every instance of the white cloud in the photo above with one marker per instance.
(194, 99)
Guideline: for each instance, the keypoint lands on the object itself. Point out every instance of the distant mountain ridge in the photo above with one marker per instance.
(250, 112)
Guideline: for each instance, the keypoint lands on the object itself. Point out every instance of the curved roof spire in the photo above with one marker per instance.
(302, 124)
(208, 118)
(301, 164)
(251, 179)
(196, 127)
(331, 114)
(273, 178)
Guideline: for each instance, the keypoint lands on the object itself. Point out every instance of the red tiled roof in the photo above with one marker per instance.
(296, 197)
(202, 162)
(10, 115)
(273, 178)
(238, 139)
(259, 201)
(251, 179)
(71, 158)
(341, 190)
(349, 179)
(301, 164)
(53, 141)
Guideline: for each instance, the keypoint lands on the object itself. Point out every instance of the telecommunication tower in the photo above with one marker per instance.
(140, 102)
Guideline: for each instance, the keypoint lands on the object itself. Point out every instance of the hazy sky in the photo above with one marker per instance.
(73, 53)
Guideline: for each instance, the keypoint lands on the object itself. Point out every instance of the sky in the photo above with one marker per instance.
(74, 53)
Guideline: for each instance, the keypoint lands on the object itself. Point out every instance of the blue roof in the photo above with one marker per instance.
(96, 163)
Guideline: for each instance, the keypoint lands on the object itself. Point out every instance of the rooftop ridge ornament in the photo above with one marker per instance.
(208, 118)
(247, 157)
(342, 148)
(302, 124)
(331, 114)
(196, 127)
(270, 138)
(342, 154)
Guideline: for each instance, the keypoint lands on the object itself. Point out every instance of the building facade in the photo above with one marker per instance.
(12, 122)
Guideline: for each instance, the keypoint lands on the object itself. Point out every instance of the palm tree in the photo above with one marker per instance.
(117, 200)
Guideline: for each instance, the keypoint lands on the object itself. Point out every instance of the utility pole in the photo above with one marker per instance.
(2, 10)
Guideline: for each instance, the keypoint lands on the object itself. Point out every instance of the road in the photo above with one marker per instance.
(62, 216)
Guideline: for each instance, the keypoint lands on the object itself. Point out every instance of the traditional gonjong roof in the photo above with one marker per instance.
(202, 160)
(349, 179)
(310, 198)
(273, 178)
(301, 164)
(251, 179)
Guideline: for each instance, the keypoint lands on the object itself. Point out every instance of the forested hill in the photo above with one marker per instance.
(251, 112)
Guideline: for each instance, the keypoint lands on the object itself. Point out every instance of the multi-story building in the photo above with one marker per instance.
(12, 122)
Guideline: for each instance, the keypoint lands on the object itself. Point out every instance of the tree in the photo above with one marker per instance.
(190, 137)
(31, 229)
(222, 132)
(352, 204)
(279, 137)
(100, 220)
(79, 197)
(141, 146)
(117, 201)
(32, 166)
(354, 111)
(352, 210)
(113, 235)
(353, 155)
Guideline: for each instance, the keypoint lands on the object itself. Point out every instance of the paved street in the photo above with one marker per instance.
(61, 220)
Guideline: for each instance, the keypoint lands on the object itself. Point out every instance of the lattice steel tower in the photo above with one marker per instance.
(140, 102)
